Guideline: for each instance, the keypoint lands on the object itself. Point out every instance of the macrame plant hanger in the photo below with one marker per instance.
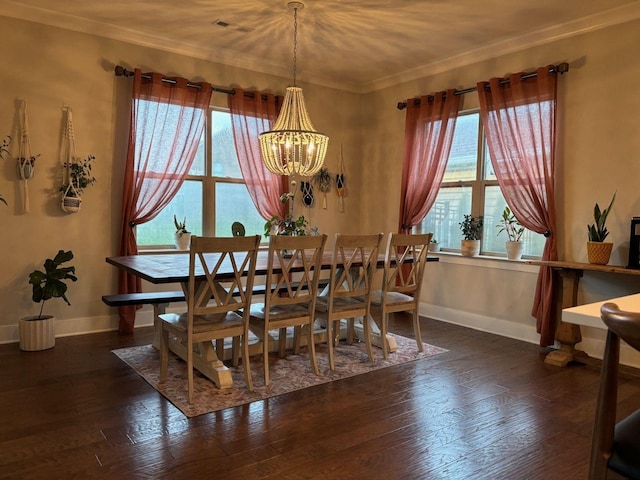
(340, 181)
(26, 161)
(71, 199)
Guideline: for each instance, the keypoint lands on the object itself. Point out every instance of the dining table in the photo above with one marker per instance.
(173, 268)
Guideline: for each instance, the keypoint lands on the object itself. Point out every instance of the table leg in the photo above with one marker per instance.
(567, 334)
(206, 362)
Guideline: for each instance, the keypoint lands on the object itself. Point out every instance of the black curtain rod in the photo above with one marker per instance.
(123, 72)
(560, 68)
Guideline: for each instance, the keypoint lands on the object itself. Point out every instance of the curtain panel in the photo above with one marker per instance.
(429, 127)
(251, 114)
(519, 119)
(167, 121)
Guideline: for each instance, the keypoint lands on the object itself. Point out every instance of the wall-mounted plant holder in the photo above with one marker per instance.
(77, 171)
(26, 161)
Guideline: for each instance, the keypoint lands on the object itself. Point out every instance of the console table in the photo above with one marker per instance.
(568, 276)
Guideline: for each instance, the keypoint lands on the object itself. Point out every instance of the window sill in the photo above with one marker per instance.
(485, 261)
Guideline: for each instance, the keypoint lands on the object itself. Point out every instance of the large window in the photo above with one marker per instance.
(213, 195)
(470, 187)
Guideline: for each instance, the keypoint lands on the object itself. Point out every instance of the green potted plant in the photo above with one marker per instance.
(471, 230)
(182, 235)
(434, 246)
(38, 332)
(598, 250)
(287, 225)
(79, 177)
(510, 224)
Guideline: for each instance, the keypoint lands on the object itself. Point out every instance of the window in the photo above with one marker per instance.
(212, 197)
(470, 186)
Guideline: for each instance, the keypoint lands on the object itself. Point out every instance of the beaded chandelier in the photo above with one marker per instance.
(293, 146)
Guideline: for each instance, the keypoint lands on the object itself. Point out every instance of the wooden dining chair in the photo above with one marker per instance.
(218, 306)
(353, 266)
(615, 447)
(404, 265)
(292, 283)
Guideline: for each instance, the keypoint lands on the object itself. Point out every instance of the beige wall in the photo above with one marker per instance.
(598, 143)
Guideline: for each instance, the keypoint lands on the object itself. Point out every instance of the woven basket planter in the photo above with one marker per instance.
(599, 252)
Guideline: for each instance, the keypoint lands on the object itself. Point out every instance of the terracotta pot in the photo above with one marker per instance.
(599, 252)
(37, 333)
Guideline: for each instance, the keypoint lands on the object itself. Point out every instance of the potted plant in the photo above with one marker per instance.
(510, 224)
(182, 235)
(598, 250)
(38, 332)
(79, 177)
(471, 230)
(434, 246)
(288, 225)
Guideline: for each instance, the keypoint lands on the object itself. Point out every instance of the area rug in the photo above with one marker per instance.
(287, 374)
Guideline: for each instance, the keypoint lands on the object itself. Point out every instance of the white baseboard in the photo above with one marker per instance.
(591, 346)
(81, 326)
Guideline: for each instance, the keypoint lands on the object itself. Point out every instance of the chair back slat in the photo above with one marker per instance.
(299, 259)
(405, 261)
(353, 265)
(208, 256)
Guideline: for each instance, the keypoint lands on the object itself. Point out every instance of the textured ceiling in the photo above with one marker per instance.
(355, 45)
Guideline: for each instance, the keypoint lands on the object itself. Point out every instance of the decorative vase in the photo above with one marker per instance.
(183, 241)
(599, 252)
(514, 249)
(37, 333)
(470, 248)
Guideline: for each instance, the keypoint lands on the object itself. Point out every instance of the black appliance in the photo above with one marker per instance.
(634, 244)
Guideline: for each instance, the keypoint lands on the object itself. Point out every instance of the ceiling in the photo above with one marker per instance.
(354, 45)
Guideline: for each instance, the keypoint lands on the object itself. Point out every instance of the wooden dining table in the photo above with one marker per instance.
(172, 268)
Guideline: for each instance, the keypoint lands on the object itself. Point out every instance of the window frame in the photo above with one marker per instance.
(478, 188)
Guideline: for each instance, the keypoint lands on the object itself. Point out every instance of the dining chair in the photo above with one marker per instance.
(353, 266)
(404, 264)
(615, 447)
(293, 272)
(218, 305)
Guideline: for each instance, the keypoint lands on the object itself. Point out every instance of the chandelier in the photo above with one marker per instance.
(293, 146)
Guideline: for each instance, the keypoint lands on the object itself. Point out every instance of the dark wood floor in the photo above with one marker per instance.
(488, 409)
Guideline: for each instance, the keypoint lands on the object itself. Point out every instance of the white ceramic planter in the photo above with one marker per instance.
(470, 248)
(183, 242)
(37, 333)
(514, 250)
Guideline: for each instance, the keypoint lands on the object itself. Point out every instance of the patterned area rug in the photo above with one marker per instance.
(287, 374)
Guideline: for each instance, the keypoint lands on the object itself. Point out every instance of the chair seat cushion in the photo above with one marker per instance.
(625, 458)
(201, 323)
(392, 298)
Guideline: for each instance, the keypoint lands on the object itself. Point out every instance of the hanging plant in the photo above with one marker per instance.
(4, 148)
(80, 177)
(323, 180)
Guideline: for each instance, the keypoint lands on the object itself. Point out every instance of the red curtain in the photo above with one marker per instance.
(167, 121)
(519, 117)
(429, 126)
(252, 114)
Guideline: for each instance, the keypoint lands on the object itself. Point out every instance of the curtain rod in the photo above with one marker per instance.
(560, 68)
(120, 71)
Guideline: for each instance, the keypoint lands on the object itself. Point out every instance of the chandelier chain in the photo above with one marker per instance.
(295, 43)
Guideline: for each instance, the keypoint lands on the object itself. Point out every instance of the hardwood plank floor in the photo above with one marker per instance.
(487, 409)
